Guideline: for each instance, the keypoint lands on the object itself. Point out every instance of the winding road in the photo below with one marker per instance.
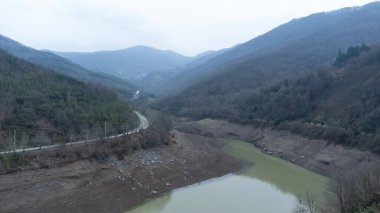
(144, 124)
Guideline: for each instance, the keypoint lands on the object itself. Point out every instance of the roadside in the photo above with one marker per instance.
(144, 124)
(115, 185)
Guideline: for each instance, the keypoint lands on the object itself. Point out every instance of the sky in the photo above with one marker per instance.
(188, 27)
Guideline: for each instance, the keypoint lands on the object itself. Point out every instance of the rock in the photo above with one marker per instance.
(154, 192)
(325, 162)
(167, 184)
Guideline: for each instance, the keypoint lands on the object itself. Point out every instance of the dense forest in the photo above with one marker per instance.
(346, 96)
(43, 107)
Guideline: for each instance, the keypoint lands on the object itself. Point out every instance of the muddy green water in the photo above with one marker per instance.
(267, 185)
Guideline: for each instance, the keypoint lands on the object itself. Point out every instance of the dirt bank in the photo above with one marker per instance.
(315, 155)
(115, 185)
(118, 184)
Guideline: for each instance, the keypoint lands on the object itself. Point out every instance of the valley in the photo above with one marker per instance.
(206, 109)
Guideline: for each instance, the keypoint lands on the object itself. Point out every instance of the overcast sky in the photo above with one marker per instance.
(188, 27)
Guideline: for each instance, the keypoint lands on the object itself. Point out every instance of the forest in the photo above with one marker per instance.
(39, 107)
(344, 96)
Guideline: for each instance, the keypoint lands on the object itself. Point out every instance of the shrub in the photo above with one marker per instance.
(12, 160)
(353, 191)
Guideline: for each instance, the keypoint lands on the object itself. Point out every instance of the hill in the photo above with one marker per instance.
(132, 63)
(292, 50)
(340, 103)
(346, 97)
(65, 67)
(43, 106)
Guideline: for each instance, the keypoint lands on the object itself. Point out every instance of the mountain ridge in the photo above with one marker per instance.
(289, 35)
(64, 66)
(217, 86)
(130, 63)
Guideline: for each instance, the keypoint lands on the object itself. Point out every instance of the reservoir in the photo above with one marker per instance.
(266, 185)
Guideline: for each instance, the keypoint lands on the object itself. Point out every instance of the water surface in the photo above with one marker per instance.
(267, 185)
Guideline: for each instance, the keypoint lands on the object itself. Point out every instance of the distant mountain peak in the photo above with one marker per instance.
(61, 65)
(131, 63)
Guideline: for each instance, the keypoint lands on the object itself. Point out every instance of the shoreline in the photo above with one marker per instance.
(194, 156)
(212, 179)
(116, 185)
(317, 156)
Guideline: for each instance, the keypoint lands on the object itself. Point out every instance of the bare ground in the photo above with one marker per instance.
(315, 155)
(118, 185)
(115, 185)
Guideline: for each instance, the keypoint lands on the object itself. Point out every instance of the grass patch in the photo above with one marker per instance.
(12, 161)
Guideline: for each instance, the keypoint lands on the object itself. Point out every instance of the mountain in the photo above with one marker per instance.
(346, 97)
(203, 54)
(132, 63)
(44, 107)
(161, 82)
(65, 67)
(292, 50)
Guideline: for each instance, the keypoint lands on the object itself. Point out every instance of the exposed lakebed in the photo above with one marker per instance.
(266, 184)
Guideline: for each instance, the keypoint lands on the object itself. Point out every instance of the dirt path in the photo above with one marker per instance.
(115, 185)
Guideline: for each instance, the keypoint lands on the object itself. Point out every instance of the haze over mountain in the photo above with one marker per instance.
(297, 108)
(65, 67)
(157, 82)
(287, 52)
(132, 63)
(302, 43)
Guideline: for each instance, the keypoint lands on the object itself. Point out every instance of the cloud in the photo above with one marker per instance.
(185, 26)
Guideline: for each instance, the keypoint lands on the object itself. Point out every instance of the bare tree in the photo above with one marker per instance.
(306, 205)
(24, 140)
(41, 139)
(352, 191)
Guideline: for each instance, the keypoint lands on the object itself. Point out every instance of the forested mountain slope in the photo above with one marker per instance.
(290, 51)
(64, 66)
(347, 97)
(43, 107)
